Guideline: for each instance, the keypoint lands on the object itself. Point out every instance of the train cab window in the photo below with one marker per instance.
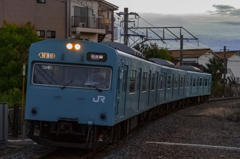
(153, 81)
(194, 82)
(206, 82)
(161, 81)
(187, 81)
(144, 81)
(181, 85)
(72, 76)
(169, 82)
(200, 82)
(132, 81)
(176, 81)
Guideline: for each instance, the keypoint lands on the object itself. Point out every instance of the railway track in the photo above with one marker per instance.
(72, 153)
(89, 154)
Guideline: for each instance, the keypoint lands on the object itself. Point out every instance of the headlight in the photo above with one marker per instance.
(69, 46)
(77, 47)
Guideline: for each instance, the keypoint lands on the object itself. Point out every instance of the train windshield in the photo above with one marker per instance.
(72, 76)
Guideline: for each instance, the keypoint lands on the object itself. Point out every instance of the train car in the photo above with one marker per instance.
(85, 94)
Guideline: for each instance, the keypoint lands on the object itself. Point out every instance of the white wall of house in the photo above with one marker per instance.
(192, 60)
(233, 63)
(204, 59)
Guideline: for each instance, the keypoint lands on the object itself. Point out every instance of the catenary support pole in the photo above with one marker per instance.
(225, 72)
(125, 26)
(181, 50)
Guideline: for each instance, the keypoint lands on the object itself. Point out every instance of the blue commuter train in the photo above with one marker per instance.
(85, 94)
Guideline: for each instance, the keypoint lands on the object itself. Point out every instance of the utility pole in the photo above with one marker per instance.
(225, 72)
(181, 50)
(125, 26)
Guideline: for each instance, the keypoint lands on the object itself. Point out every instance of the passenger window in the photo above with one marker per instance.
(132, 81)
(206, 82)
(153, 81)
(187, 81)
(176, 82)
(144, 81)
(169, 82)
(181, 81)
(194, 82)
(161, 82)
(200, 82)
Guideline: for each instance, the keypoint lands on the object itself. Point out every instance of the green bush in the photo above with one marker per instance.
(12, 96)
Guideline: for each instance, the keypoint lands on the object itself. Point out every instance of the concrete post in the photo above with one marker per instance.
(3, 125)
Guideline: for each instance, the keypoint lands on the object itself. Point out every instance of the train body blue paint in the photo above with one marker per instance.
(83, 98)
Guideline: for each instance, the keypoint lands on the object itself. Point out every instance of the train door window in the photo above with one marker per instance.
(190, 82)
(153, 81)
(206, 82)
(161, 82)
(124, 87)
(158, 81)
(176, 81)
(132, 81)
(200, 82)
(181, 82)
(194, 82)
(187, 82)
(144, 82)
(169, 82)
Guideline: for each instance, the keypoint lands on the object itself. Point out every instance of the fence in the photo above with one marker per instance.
(3, 125)
(14, 120)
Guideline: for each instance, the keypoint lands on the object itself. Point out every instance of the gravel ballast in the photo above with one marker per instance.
(209, 130)
(208, 126)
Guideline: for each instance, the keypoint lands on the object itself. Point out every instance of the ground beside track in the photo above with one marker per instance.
(214, 124)
(206, 125)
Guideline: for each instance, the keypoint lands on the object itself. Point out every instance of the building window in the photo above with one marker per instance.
(51, 34)
(153, 81)
(41, 1)
(41, 33)
(132, 81)
(81, 17)
(144, 81)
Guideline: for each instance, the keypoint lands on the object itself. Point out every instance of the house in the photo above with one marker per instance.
(90, 19)
(233, 64)
(194, 57)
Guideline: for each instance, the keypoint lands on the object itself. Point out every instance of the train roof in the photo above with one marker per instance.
(189, 68)
(124, 48)
(162, 62)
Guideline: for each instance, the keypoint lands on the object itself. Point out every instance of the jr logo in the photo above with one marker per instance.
(102, 98)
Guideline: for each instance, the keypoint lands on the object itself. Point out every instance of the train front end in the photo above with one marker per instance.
(70, 93)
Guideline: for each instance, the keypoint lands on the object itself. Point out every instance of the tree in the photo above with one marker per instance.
(153, 51)
(14, 44)
(215, 67)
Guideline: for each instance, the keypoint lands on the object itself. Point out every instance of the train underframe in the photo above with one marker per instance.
(66, 133)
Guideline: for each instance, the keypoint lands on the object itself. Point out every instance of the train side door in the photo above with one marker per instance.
(165, 86)
(139, 86)
(149, 87)
(123, 91)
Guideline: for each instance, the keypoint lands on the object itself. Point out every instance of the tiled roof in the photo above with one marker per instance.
(228, 54)
(190, 53)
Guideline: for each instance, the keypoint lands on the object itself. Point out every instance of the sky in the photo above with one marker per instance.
(216, 23)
